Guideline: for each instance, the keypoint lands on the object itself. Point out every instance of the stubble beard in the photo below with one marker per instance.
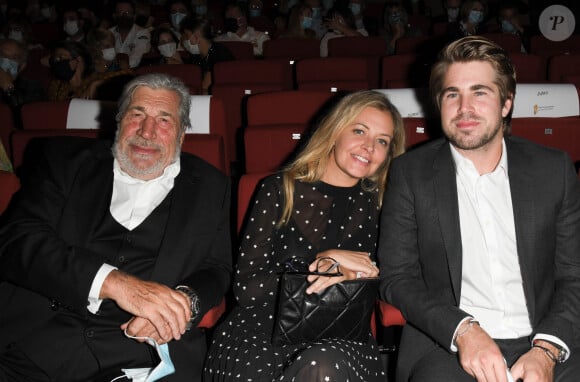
(464, 141)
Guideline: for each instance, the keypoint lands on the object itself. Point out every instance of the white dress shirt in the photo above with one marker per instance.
(257, 39)
(491, 283)
(132, 202)
(135, 45)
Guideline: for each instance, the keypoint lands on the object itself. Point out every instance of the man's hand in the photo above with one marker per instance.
(167, 310)
(534, 366)
(479, 355)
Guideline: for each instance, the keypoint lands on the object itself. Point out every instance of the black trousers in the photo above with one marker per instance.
(440, 365)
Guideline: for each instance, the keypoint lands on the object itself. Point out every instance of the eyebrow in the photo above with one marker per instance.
(142, 109)
(473, 87)
(366, 127)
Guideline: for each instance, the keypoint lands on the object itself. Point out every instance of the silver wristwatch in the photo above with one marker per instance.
(194, 300)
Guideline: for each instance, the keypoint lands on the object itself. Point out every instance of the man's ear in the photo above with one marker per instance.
(507, 105)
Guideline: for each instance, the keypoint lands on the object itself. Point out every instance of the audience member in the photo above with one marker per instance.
(110, 249)
(16, 89)
(326, 203)
(300, 22)
(237, 29)
(165, 43)
(318, 25)
(72, 71)
(480, 246)
(471, 19)
(509, 21)
(196, 38)
(397, 25)
(18, 28)
(73, 25)
(143, 16)
(130, 38)
(177, 11)
(339, 23)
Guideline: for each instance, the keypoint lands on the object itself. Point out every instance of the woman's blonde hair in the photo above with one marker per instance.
(311, 163)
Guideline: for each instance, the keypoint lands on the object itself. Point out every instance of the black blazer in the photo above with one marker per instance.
(420, 243)
(46, 271)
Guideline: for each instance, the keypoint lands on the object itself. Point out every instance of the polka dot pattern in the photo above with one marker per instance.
(324, 217)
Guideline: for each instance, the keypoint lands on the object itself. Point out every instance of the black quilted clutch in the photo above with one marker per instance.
(342, 310)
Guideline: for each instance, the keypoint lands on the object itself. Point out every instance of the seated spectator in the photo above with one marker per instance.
(300, 22)
(397, 25)
(73, 25)
(18, 28)
(101, 44)
(318, 25)
(196, 38)
(340, 22)
(143, 16)
(130, 38)
(70, 66)
(177, 11)
(357, 8)
(15, 89)
(451, 15)
(509, 21)
(37, 11)
(199, 8)
(111, 70)
(164, 48)
(237, 29)
(472, 14)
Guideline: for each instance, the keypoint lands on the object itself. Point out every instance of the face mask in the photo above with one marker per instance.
(15, 35)
(255, 12)
(395, 18)
(201, 10)
(168, 49)
(507, 27)
(231, 24)
(164, 368)
(71, 27)
(125, 22)
(176, 18)
(9, 66)
(191, 48)
(109, 54)
(452, 14)
(355, 8)
(306, 22)
(475, 17)
(316, 13)
(62, 70)
(45, 12)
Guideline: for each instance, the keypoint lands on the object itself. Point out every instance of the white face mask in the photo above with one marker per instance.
(9, 66)
(176, 18)
(191, 48)
(109, 54)
(167, 49)
(164, 368)
(71, 27)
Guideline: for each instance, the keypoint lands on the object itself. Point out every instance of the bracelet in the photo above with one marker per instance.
(547, 351)
(470, 323)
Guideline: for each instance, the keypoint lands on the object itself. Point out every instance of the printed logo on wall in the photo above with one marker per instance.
(557, 23)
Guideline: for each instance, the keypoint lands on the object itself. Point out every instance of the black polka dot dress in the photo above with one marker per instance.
(324, 217)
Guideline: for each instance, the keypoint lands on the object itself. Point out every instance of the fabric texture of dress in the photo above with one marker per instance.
(323, 217)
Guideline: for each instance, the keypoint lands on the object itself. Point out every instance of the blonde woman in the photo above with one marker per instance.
(324, 204)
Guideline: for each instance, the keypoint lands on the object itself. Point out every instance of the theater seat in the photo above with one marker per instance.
(9, 185)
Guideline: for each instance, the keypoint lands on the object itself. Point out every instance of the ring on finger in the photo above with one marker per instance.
(359, 275)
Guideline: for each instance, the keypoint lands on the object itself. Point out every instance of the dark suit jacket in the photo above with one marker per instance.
(420, 243)
(46, 271)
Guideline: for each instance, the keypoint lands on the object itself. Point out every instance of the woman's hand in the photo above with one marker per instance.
(353, 265)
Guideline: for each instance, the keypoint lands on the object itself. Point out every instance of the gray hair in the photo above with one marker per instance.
(158, 81)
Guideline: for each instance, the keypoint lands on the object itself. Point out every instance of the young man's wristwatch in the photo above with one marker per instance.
(194, 300)
(559, 357)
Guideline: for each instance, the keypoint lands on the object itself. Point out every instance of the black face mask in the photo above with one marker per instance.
(62, 70)
(231, 24)
(125, 22)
